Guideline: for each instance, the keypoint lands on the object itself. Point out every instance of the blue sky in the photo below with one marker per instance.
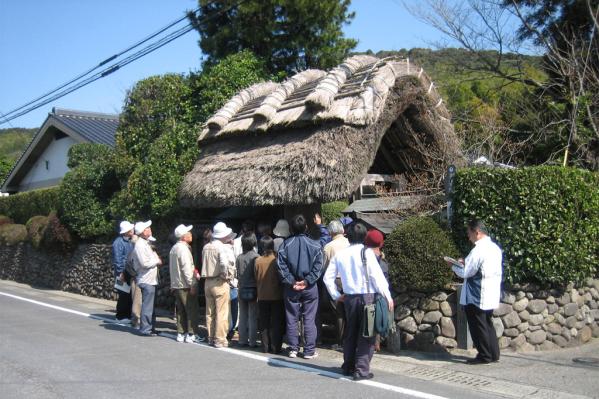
(46, 43)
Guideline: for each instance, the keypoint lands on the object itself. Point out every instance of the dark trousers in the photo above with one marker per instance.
(234, 312)
(271, 323)
(357, 350)
(331, 308)
(188, 312)
(482, 332)
(148, 317)
(123, 305)
(302, 304)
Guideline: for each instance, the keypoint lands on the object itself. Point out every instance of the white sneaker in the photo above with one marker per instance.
(123, 321)
(292, 354)
(180, 337)
(193, 339)
(312, 356)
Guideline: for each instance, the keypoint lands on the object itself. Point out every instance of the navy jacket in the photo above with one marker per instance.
(120, 250)
(299, 258)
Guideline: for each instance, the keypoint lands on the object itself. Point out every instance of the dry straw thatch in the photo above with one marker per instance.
(312, 138)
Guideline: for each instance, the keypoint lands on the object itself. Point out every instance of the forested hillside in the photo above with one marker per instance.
(13, 141)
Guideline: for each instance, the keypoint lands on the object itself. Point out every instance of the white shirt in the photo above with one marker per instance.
(482, 275)
(347, 264)
(145, 261)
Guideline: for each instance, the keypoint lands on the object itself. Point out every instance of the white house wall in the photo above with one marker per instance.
(50, 167)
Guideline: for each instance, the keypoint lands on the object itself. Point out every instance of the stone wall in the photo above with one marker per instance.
(86, 271)
(528, 318)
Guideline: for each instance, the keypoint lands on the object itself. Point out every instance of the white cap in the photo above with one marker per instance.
(282, 229)
(126, 226)
(220, 230)
(181, 230)
(141, 226)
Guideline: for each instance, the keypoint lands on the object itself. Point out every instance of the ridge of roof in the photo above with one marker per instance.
(71, 113)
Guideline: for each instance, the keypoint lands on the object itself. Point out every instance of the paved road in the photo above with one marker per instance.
(54, 353)
(74, 349)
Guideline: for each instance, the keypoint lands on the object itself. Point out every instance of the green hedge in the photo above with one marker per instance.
(415, 251)
(21, 207)
(11, 234)
(546, 219)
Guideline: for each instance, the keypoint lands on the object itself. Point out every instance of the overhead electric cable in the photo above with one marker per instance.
(104, 62)
(113, 68)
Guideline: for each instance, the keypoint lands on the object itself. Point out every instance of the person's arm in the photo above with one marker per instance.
(187, 266)
(117, 258)
(316, 268)
(283, 268)
(324, 235)
(471, 265)
(147, 259)
(329, 279)
(377, 278)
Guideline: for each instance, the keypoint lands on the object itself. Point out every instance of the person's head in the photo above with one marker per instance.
(298, 224)
(267, 245)
(335, 228)
(221, 232)
(264, 228)
(126, 228)
(282, 229)
(476, 230)
(346, 221)
(248, 241)
(374, 239)
(356, 233)
(143, 229)
(183, 233)
(248, 226)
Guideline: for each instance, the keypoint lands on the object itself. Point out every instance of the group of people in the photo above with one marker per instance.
(275, 281)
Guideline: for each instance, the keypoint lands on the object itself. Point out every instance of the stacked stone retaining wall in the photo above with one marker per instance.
(528, 318)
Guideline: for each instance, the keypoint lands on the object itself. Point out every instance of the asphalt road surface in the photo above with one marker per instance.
(57, 347)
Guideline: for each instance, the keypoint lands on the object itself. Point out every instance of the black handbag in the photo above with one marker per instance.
(248, 293)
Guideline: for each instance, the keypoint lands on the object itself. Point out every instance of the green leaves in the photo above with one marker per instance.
(544, 218)
(415, 251)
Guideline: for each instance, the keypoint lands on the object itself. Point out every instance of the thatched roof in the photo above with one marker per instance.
(313, 137)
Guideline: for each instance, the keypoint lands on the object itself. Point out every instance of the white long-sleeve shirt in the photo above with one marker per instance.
(181, 266)
(482, 275)
(347, 264)
(146, 262)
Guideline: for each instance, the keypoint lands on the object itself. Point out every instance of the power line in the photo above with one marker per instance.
(114, 67)
(104, 62)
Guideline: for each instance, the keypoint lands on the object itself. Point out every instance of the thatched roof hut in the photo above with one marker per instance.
(312, 138)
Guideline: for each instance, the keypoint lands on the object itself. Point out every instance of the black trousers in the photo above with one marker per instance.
(271, 323)
(482, 332)
(123, 305)
(357, 350)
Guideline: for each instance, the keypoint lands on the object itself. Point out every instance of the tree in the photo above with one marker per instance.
(5, 167)
(289, 35)
(567, 93)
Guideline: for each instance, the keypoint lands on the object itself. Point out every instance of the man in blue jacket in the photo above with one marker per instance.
(121, 247)
(300, 264)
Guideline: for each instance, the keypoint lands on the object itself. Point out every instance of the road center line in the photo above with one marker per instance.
(254, 356)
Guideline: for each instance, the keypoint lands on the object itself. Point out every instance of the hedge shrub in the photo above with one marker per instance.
(5, 220)
(415, 251)
(546, 219)
(11, 234)
(332, 211)
(86, 190)
(56, 236)
(36, 227)
(21, 207)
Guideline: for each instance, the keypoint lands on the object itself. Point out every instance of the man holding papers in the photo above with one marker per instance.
(481, 272)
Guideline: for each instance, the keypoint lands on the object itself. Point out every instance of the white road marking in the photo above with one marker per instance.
(249, 355)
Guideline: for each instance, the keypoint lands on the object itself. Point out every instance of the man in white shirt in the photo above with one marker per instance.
(482, 273)
(361, 277)
(184, 286)
(146, 263)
